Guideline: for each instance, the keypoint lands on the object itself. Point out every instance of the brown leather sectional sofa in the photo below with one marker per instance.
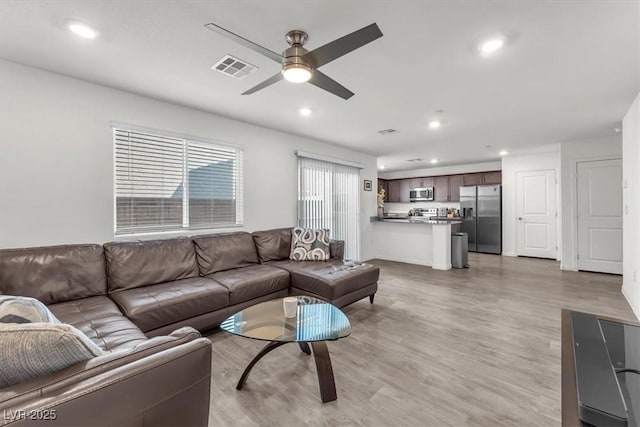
(122, 293)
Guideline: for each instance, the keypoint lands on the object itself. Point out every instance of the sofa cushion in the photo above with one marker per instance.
(331, 279)
(141, 263)
(55, 273)
(100, 319)
(24, 310)
(151, 307)
(309, 244)
(251, 282)
(224, 251)
(273, 244)
(32, 350)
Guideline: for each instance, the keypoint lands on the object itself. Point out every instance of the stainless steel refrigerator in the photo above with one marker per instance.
(481, 214)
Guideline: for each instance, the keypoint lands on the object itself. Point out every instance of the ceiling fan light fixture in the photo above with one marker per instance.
(296, 73)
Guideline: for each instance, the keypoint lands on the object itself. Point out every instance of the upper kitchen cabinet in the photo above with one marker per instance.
(493, 177)
(472, 179)
(420, 182)
(482, 178)
(394, 190)
(455, 182)
(441, 188)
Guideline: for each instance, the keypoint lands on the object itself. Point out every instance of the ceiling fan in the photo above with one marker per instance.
(300, 65)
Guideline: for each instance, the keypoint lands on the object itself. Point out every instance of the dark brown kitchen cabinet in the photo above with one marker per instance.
(492, 177)
(441, 188)
(420, 182)
(394, 192)
(483, 178)
(473, 179)
(455, 182)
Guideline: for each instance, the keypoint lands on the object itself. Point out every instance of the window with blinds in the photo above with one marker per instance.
(329, 197)
(167, 184)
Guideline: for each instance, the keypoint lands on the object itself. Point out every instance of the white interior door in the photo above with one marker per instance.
(536, 199)
(600, 216)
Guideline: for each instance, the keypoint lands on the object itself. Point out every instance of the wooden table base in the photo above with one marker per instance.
(323, 366)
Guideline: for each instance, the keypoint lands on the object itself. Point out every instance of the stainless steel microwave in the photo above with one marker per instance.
(421, 194)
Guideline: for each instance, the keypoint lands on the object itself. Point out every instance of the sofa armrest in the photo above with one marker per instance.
(164, 381)
(336, 249)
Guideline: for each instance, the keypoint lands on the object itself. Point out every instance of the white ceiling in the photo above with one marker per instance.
(569, 70)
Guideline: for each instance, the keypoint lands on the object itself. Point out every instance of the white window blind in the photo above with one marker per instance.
(328, 197)
(168, 184)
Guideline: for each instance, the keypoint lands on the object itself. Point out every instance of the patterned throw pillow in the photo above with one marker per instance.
(309, 244)
(35, 343)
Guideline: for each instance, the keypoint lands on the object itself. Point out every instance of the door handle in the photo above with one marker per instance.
(520, 218)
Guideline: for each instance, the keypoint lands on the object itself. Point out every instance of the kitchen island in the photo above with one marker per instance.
(414, 240)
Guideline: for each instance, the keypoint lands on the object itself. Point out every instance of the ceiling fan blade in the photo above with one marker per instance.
(335, 49)
(244, 42)
(271, 80)
(325, 82)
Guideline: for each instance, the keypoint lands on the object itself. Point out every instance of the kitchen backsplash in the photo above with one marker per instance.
(405, 207)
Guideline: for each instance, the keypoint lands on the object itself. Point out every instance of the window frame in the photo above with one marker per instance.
(185, 139)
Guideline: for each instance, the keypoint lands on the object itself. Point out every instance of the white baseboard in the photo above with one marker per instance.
(406, 261)
(506, 253)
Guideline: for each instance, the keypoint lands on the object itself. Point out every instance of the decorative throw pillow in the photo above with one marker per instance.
(309, 244)
(24, 310)
(35, 343)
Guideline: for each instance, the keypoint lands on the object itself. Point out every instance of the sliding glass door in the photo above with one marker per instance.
(328, 197)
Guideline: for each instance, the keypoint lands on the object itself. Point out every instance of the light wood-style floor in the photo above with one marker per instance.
(479, 346)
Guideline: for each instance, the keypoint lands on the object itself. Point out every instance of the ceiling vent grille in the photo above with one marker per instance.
(387, 131)
(415, 160)
(234, 67)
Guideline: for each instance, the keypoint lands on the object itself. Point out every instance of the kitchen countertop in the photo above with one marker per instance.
(417, 220)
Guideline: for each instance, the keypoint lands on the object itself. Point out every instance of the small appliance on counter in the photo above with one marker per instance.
(423, 212)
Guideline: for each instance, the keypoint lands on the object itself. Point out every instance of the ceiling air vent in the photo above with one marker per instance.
(415, 160)
(387, 131)
(234, 67)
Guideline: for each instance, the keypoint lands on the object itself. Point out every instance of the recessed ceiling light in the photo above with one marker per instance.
(83, 30)
(504, 153)
(381, 167)
(434, 161)
(434, 124)
(305, 111)
(616, 130)
(492, 45)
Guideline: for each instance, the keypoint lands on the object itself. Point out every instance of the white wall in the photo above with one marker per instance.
(56, 159)
(570, 154)
(511, 165)
(631, 203)
(443, 170)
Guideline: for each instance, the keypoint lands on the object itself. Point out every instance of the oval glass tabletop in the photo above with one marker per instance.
(316, 320)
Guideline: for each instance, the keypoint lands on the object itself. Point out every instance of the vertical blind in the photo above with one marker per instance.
(328, 197)
(166, 184)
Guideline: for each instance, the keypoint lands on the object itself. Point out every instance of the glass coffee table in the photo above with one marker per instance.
(316, 322)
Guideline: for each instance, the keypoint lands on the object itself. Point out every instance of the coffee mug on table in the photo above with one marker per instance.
(290, 305)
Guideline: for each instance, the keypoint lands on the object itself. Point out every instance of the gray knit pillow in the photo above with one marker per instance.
(309, 244)
(34, 343)
(24, 310)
